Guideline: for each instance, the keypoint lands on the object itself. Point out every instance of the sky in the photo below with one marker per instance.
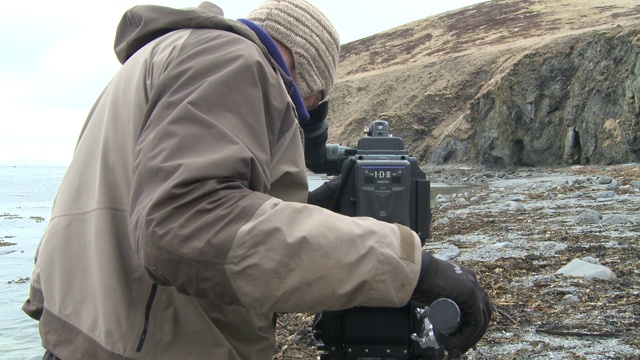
(56, 57)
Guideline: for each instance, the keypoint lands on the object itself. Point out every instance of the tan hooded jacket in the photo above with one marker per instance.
(180, 225)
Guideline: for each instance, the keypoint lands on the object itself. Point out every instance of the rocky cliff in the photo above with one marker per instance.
(502, 83)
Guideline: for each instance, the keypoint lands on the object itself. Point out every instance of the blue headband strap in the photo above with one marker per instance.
(267, 41)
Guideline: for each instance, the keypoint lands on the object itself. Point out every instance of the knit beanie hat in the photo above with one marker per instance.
(307, 32)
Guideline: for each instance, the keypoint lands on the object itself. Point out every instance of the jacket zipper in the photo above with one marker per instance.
(147, 313)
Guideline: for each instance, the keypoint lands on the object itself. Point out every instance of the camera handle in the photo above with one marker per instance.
(442, 318)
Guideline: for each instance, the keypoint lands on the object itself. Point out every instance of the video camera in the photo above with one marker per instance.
(379, 179)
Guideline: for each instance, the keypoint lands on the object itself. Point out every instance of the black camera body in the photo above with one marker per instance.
(379, 179)
(383, 181)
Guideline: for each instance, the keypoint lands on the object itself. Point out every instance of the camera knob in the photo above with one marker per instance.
(444, 316)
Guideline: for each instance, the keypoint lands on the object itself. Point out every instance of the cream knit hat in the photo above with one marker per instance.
(307, 32)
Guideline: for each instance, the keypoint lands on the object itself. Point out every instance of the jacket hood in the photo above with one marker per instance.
(144, 23)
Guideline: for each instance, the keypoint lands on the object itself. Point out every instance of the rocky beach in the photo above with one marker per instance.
(557, 249)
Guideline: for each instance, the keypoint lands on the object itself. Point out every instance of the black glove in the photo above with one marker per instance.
(323, 196)
(442, 279)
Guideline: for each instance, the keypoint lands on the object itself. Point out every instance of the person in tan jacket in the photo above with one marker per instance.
(182, 225)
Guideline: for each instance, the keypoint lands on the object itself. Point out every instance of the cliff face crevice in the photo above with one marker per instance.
(546, 83)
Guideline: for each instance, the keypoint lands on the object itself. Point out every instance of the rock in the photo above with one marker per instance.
(546, 212)
(616, 219)
(614, 185)
(550, 248)
(606, 195)
(501, 245)
(515, 206)
(588, 217)
(570, 299)
(581, 268)
(603, 180)
(20, 280)
(591, 260)
(580, 181)
(448, 254)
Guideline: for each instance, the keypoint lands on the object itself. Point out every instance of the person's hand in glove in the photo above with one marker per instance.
(324, 195)
(442, 279)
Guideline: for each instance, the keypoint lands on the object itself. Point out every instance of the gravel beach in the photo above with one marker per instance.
(557, 249)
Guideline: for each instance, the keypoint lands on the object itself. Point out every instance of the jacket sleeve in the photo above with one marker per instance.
(201, 219)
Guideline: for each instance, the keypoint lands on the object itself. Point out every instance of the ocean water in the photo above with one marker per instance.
(26, 196)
